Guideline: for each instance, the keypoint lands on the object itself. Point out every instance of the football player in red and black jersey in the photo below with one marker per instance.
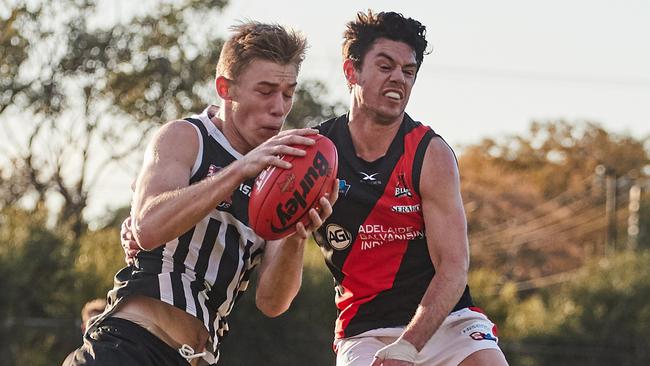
(396, 242)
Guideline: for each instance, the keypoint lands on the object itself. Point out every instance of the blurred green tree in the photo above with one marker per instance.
(535, 204)
(35, 265)
(79, 97)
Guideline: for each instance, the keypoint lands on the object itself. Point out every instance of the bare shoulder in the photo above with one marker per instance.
(439, 162)
(180, 130)
(177, 140)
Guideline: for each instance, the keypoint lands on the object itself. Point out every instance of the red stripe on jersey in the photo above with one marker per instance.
(381, 241)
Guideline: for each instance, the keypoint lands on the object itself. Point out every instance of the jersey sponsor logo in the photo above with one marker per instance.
(406, 208)
(479, 336)
(480, 331)
(373, 236)
(370, 178)
(245, 189)
(213, 170)
(344, 187)
(285, 211)
(401, 189)
(337, 237)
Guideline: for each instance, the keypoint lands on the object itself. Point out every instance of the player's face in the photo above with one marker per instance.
(261, 98)
(384, 83)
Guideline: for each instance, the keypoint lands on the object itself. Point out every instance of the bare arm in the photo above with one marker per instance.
(280, 273)
(165, 205)
(446, 233)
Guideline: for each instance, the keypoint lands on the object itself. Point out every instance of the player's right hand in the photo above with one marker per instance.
(269, 152)
(129, 245)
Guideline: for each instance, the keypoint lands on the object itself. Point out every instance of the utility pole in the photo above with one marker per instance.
(610, 212)
(633, 217)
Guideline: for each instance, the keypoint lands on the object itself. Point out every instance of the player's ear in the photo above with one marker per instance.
(223, 85)
(349, 71)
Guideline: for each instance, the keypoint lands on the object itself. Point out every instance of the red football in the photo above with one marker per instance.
(282, 197)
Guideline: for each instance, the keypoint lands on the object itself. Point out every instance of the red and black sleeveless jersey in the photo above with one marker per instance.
(374, 241)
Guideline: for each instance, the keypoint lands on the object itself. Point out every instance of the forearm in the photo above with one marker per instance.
(282, 276)
(441, 296)
(166, 216)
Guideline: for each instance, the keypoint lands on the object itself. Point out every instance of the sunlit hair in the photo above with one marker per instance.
(254, 40)
(362, 32)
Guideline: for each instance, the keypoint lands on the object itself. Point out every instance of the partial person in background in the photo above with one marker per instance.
(90, 309)
(190, 215)
(396, 242)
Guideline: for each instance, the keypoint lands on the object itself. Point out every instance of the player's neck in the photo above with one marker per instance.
(224, 122)
(370, 137)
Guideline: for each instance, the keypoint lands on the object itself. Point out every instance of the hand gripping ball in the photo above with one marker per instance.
(282, 197)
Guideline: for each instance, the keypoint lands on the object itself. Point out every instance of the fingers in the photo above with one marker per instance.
(315, 217)
(287, 150)
(295, 137)
(129, 245)
(301, 231)
(334, 193)
(325, 209)
(319, 214)
(271, 152)
(125, 227)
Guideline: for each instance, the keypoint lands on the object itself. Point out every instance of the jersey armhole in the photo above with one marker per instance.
(418, 159)
(199, 154)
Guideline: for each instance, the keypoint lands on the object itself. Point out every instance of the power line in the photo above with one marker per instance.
(543, 76)
(554, 218)
(588, 222)
(546, 208)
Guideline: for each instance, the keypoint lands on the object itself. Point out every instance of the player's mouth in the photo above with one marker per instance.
(394, 95)
(271, 129)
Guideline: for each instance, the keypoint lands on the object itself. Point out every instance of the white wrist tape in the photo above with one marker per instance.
(399, 350)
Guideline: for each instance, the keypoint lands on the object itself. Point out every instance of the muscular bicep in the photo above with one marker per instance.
(442, 207)
(167, 164)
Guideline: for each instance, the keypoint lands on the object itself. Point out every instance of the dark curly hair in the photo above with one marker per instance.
(362, 32)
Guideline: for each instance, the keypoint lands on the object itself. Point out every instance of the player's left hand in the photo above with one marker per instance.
(319, 214)
(399, 353)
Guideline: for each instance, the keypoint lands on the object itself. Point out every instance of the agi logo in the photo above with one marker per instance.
(337, 237)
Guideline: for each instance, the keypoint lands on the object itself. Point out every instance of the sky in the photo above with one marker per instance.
(498, 65)
(495, 66)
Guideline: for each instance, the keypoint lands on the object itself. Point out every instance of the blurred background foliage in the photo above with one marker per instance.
(565, 279)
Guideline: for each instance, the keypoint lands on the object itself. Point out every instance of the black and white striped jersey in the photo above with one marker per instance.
(205, 270)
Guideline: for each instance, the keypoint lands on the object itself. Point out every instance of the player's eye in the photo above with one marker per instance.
(409, 72)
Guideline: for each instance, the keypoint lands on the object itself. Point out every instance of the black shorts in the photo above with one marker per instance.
(117, 341)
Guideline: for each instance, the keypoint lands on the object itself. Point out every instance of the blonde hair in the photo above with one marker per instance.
(254, 40)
